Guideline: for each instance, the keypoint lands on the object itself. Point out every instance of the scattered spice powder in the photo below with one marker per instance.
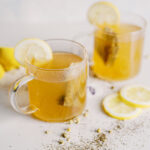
(98, 130)
(102, 137)
(109, 131)
(70, 122)
(85, 114)
(46, 132)
(118, 126)
(99, 141)
(112, 87)
(64, 135)
(68, 129)
(76, 120)
(61, 142)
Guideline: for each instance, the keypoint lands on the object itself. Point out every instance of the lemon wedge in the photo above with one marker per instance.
(136, 95)
(36, 51)
(115, 108)
(2, 71)
(7, 59)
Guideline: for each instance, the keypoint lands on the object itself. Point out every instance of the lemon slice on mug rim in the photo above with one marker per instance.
(103, 13)
(35, 50)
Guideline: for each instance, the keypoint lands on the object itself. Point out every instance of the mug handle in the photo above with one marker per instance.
(12, 94)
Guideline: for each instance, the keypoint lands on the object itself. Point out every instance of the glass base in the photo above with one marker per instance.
(57, 120)
(114, 80)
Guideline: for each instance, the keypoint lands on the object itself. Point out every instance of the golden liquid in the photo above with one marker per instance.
(59, 101)
(117, 58)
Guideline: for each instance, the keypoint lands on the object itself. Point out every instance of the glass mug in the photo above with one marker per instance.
(117, 56)
(55, 95)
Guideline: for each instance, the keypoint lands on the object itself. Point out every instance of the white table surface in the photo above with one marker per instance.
(19, 132)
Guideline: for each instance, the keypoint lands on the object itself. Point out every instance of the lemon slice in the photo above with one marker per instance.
(103, 13)
(35, 50)
(136, 95)
(115, 108)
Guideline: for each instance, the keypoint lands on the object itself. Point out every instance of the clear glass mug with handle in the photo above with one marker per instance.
(116, 56)
(55, 94)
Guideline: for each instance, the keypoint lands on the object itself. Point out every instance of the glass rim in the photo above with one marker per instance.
(134, 32)
(63, 69)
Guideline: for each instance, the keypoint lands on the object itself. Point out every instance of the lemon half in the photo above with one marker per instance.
(7, 59)
(136, 95)
(103, 13)
(35, 50)
(115, 108)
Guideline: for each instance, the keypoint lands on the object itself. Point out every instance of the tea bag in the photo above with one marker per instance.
(71, 97)
(72, 89)
(107, 45)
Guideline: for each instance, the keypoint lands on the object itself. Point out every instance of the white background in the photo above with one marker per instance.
(60, 10)
(53, 18)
